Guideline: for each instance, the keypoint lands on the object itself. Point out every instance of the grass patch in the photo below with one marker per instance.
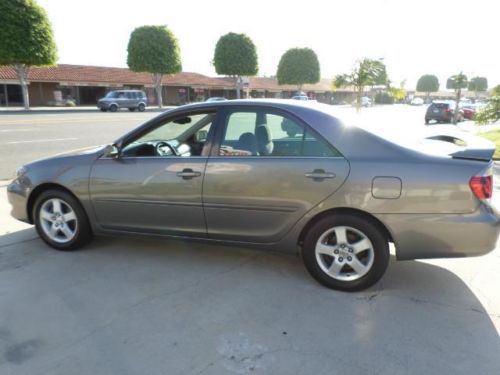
(493, 136)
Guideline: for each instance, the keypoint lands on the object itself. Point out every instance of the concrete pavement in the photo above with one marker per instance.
(143, 306)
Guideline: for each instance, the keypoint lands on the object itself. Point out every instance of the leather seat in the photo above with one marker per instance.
(264, 140)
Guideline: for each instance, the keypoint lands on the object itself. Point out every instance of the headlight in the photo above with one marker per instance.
(21, 171)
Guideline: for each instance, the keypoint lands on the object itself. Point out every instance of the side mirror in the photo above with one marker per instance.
(113, 151)
(201, 136)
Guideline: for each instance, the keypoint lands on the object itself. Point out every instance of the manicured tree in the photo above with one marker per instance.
(428, 83)
(26, 39)
(367, 72)
(155, 50)
(457, 83)
(478, 84)
(298, 66)
(235, 55)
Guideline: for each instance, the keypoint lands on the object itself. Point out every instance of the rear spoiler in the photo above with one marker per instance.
(468, 146)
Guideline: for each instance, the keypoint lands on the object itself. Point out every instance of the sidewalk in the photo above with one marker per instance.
(472, 127)
(79, 109)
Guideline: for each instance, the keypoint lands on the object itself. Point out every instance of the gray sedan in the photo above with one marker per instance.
(277, 175)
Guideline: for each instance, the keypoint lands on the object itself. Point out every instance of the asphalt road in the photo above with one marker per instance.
(144, 306)
(27, 137)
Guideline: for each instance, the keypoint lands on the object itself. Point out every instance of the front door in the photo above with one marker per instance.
(155, 185)
(271, 169)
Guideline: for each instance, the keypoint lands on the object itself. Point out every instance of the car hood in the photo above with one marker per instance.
(91, 152)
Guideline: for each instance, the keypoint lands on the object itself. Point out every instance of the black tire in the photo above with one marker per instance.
(141, 107)
(104, 110)
(83, 233)
(132, 109)
(113, 108)
(369, 229)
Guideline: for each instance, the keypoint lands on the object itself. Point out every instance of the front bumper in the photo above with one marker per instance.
(17, 194)
(420, 236)
(103, 105)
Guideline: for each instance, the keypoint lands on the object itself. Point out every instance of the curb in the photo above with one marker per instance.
(70, 110)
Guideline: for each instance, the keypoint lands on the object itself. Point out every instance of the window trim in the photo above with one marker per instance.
(156, 122)
(226, 111)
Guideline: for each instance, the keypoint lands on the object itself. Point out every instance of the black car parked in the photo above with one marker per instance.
(442, 111)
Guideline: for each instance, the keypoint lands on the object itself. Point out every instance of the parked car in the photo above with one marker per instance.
(442, 111)
(131, 99)
(469, 112)
(470, 109)
(300, 97)
(417, 101)
(216, 99)
(233, 172)
(365, 102)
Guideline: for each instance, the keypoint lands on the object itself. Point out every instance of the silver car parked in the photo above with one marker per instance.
(277, 175)
(130, 99)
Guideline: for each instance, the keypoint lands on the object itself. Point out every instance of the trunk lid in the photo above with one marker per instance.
(461, 144)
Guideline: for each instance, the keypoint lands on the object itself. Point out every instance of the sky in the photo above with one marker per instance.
(413, 38)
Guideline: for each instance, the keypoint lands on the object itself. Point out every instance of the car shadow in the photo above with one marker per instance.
(420, 318)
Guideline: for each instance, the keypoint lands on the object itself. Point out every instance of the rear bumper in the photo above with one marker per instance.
(420, 236)
(439, 117)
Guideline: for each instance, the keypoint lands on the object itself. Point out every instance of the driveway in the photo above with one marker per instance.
(142, 306)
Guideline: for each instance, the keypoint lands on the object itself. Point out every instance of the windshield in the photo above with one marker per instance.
(111, 95)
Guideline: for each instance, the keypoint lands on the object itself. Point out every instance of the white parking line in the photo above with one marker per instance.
(16, 130)
(43, 140)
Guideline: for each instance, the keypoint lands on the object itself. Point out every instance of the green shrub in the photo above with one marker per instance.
(490, 113)
(383, 98)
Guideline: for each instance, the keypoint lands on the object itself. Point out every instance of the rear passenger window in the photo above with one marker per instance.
(262, 133)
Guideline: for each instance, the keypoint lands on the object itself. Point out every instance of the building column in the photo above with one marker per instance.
(77, 95)
(6, 93)
(40, 90)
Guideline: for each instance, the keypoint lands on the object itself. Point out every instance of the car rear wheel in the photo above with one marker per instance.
(141, 107)
(346, 252)
(61, 221)
(113, 108)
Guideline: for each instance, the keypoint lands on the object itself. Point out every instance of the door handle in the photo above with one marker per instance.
(188, 173)
(319, 174)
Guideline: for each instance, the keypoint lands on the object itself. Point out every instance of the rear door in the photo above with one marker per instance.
(267, 171)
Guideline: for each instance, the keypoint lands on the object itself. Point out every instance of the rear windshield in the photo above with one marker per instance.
(440, 105)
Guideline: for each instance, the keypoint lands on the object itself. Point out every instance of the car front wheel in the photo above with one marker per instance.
(141, 107)
(113, 108)
(61, 221)
(346, 252)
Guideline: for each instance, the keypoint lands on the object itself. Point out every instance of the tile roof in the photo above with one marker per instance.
(124, 76)
(100, 74)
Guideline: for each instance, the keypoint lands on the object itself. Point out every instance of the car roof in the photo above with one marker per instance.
(131, 90)
(290, 105)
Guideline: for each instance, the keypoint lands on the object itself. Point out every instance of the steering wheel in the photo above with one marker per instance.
(160, 146)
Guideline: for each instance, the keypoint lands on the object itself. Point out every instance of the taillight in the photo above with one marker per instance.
(482, 186)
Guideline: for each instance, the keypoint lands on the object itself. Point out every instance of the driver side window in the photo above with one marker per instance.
(182, 136)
